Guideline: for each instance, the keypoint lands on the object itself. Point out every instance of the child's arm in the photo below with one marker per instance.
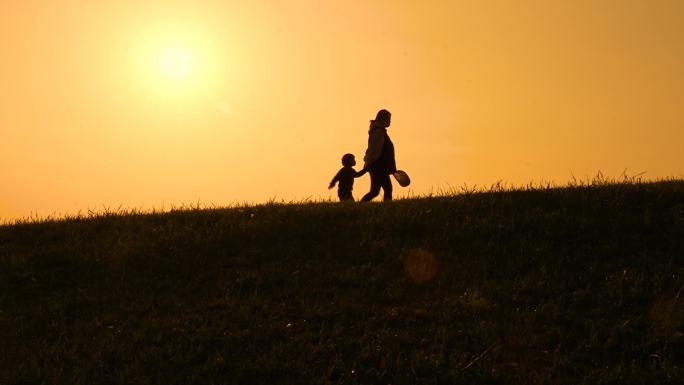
(360, 173)
(335, 179)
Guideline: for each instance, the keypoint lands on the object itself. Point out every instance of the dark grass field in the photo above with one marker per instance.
(575, 285)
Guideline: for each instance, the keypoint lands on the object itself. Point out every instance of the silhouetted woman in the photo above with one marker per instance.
(379, 160)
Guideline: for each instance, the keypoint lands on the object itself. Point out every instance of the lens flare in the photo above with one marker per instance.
(420, 265)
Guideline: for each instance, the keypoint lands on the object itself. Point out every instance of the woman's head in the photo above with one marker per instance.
(383, 118)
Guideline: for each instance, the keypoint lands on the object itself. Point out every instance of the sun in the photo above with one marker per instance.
(176, 62)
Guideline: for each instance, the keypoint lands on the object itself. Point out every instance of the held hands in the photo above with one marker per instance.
(332, 184)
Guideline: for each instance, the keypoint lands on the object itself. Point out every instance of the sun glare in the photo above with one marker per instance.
(176, 63)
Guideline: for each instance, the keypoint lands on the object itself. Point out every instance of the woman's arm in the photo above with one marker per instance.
(377, 139)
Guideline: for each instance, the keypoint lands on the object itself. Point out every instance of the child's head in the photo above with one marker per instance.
(348, 160)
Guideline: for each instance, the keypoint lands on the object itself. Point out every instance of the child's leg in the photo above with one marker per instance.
(345, 196)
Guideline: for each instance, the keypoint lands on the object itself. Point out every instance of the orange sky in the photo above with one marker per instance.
(480, 91)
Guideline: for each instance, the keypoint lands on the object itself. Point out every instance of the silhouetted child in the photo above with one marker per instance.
(346, 177)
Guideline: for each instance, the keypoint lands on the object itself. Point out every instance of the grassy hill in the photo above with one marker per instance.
(551, 286)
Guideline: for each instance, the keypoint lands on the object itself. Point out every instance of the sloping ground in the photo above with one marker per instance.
(556, 286)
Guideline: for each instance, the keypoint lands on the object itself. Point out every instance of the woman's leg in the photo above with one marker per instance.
(386, 184)
(375, 187)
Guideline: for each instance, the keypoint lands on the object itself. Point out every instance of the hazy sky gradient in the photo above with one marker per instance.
(480, 91)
